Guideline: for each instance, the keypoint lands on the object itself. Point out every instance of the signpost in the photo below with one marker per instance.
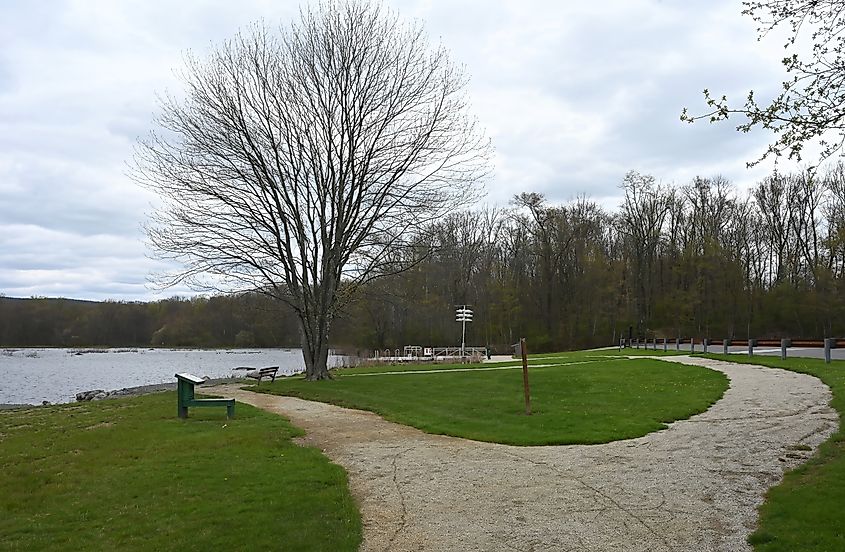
(463, 315)
(525, 387)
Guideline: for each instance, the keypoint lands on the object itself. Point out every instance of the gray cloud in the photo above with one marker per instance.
(574, 95)
(70, 197)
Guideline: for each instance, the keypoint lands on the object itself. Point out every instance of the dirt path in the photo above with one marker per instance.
(694, 486)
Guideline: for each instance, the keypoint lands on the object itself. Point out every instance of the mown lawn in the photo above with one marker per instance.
(806, 511)
(129, 475)
(580, 399)
(540, 359)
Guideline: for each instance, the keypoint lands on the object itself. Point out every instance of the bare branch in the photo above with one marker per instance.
(299, 161)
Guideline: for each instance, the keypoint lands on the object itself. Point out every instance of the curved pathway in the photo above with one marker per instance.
(695, 486)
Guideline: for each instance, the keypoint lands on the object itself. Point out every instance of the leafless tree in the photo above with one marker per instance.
(775, 197)
(834, 182)
(297, 161)
(642, 219)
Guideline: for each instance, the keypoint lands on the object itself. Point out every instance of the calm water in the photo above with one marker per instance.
(29, 376)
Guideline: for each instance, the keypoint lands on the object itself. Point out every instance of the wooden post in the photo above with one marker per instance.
(525, 387)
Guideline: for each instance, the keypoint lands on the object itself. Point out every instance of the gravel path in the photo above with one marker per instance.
(695, 486)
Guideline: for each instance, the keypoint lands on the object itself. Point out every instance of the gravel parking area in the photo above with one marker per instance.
(694, 486)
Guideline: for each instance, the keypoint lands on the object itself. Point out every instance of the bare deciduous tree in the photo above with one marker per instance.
(296, 162)
(642, 220)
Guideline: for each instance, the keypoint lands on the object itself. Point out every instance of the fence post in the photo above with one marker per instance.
(691, 345)
(829, 343)
(784, 343)
(725, 344)
(664, 344)
(751, 343)
(678, 343)
(706, 343)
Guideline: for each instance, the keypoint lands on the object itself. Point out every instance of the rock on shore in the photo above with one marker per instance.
(100, 394)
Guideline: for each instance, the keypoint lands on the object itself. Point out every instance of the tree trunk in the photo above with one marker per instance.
(315, 351)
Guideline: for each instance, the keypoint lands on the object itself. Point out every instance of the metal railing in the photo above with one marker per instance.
(417, 353)
(707, 344)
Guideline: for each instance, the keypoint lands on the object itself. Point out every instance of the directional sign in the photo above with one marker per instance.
(463, 315)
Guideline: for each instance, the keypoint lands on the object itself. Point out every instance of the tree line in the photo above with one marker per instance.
(244, 320)
(701, 260)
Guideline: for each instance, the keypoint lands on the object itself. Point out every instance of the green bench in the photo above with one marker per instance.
(185, 396)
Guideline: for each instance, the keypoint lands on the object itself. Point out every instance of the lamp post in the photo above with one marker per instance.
(463, 315)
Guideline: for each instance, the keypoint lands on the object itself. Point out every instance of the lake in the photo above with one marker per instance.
(30, 376)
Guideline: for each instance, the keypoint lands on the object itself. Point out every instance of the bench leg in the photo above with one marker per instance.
(230, 411)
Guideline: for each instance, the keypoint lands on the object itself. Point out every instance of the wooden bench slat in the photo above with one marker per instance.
(210, 402)
(267, 372)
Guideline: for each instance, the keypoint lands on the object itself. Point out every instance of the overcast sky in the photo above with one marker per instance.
(573, 95)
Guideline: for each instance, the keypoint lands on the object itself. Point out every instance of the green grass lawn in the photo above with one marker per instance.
(570, 357)
(806, 511)
(129, 475)
(582, 398)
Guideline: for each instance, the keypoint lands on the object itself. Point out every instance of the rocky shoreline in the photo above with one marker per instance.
(101, 394)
